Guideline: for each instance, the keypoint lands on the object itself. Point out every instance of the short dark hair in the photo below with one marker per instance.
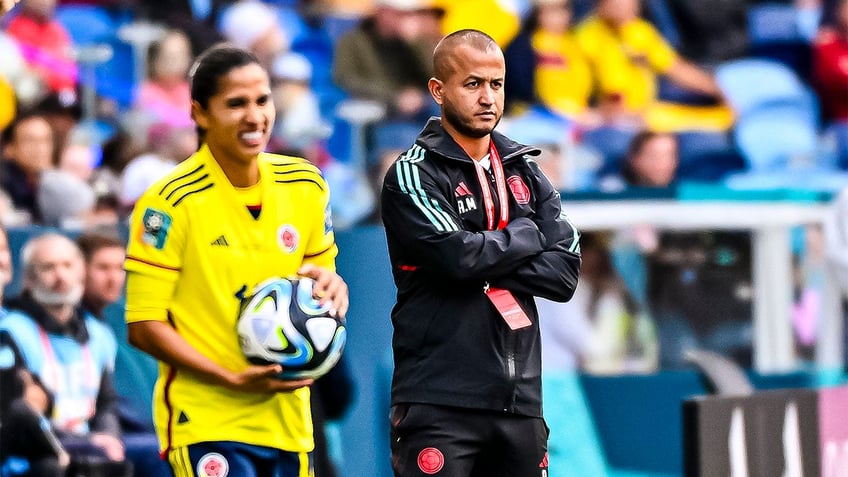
(444, 51)
(22, 117)
(92, 242)
(207, 70)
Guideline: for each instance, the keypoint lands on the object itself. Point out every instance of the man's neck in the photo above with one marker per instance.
(94, 305)
(475, 147)
(62, 313)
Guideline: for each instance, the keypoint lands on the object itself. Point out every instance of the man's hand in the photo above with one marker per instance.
(111, 445)
(329, 288)
(264, 379)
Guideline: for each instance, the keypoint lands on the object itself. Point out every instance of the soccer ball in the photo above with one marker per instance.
(282, 323)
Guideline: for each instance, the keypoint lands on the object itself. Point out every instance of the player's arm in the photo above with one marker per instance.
(423, 220)
(154, 260)
(553, 273)
(319, 261)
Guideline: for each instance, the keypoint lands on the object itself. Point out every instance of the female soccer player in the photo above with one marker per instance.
(226, 219)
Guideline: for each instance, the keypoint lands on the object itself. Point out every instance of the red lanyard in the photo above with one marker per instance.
(500, 183)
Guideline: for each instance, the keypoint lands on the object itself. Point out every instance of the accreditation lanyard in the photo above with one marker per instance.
(500, 185)
(503, 300)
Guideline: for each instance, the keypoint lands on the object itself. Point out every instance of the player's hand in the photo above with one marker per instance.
(111, 445)
(329, 287)
(265, 379)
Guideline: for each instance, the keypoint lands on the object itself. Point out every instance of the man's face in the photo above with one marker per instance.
(239, 118)
(56, 274)
(32, 145)
(105, 274)
(472, 97)
(618, 12)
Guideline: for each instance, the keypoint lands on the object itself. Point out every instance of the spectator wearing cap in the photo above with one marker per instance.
(27, 152)
(255, 26)
(382, 60)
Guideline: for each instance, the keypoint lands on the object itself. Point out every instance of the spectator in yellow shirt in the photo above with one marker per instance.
(626, 54)
(563, 79)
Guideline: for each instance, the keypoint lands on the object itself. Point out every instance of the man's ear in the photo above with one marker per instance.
(199, 115)
(436, 88)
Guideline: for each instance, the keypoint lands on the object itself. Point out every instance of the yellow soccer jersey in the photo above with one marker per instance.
(191, 230)
(563, 78)
(625, 61)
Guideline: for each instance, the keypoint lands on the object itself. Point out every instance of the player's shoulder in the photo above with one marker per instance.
(292, 171)
(188, 178)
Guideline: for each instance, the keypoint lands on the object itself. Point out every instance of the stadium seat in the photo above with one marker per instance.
(742, 83)
(87, 24)
(707, 156)
(777, 136)
(723, 375)
(611, 143)
(663, 19)
(774, 32)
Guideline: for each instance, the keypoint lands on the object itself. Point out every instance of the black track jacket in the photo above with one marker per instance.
(451, 346)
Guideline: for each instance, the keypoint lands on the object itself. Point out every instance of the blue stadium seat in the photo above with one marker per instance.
(87, 24)
(707, 156)
(611, 143)
(776, 137)
(774, 32)
(751, 82)
(663, 19)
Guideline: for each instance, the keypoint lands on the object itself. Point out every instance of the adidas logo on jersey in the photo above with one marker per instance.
(221, 242)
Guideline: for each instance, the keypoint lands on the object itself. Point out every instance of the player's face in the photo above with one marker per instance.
(56, 277)
(239, 118)
(472, 98)
(104, 275)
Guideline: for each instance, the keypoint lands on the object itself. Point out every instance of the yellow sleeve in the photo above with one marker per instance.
(660, 54)
(321, 249)
(154, 257)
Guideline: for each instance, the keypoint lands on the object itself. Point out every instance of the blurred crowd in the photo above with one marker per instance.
(619, 95)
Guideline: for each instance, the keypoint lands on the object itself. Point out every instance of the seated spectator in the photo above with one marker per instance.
(168, 145)
(255, 26)
(626, 54)
(699, 284)
(602, 328)
(712, 31)
(501, 20)
(299, 124)
(104, 271)
(27, 153)
(651, 161)
(65, 200)
(164, 96)
(379, 60)
(45, 45)
(73, 355)
(196, 18)
(563, 79)
(830, 65)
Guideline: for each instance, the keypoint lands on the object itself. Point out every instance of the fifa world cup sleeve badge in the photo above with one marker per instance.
(155, 225)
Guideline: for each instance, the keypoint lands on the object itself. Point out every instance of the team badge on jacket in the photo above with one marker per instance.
(519, 190)
(287, 238)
